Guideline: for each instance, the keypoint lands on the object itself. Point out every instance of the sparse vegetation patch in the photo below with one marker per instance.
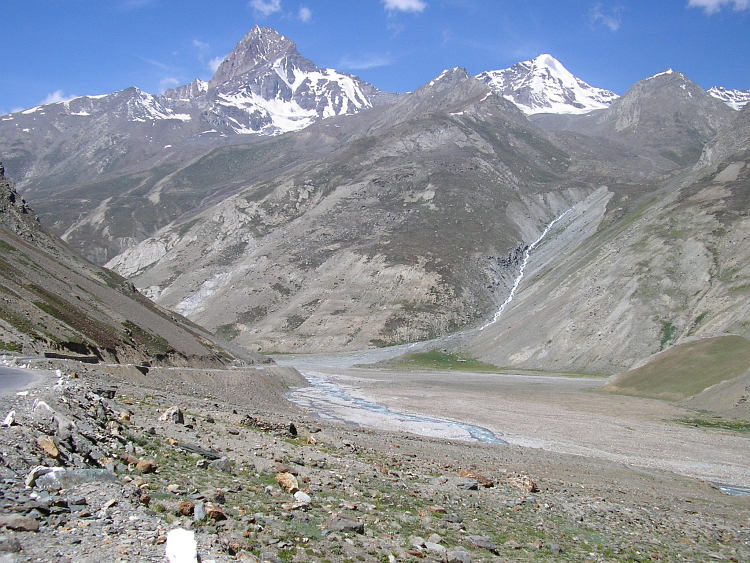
(718, 424)
(438, 359)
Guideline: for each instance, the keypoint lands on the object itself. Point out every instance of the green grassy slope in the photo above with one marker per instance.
(686, 370)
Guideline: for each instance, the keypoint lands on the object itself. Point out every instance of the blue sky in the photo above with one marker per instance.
(55, 49)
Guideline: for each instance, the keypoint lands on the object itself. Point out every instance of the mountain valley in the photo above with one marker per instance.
(564, 268)
(411, 212)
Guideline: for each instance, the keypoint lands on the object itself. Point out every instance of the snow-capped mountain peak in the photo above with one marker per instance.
(265, 86)
(736, 99)
(544, 85)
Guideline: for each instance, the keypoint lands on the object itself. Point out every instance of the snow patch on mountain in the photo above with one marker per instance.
(544, 85)
(663, 73)
(298, 101)
(735, 99)
(145, 107)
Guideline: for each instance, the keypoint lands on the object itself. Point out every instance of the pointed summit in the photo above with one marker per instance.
(667, 114)
(669, 91)
(260, 46)
(544, 85)
(446, 79)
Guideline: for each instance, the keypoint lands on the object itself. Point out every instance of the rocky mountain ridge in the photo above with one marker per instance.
(382, 227)
(264, 87)
(400, 222)
(312, 259)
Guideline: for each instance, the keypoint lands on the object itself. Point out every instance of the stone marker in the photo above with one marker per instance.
(181, 546)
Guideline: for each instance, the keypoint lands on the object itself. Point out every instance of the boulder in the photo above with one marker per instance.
(9, 419)
(416, 541)
(459, 555)
(483, 542)
(174, 415)
(467, 484)
(58, 478)
(342, 523)
(37, 472)
(48, 445)
(19, 523)
(435, 548)
(288, 482)
(145, 466)
(9, 544)
(199, 512)
(208, 453)
(222, 464)
(301, 496)
(478, 477)
(523, 482)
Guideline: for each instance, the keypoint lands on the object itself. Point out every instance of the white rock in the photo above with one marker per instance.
(172, 414)
(9, 419)
(181, 546)
(39, 404)
(302, 497)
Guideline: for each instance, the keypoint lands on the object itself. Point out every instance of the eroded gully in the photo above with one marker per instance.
(331, 400)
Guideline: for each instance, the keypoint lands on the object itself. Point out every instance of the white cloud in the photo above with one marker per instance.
(405, 5)
(56, 97)
(611, 18)
(214, 63)
(158, 64)
(265, 7)
(365, 62)
(304, 14)
(200, 44)
(168, 82)
(713, 6)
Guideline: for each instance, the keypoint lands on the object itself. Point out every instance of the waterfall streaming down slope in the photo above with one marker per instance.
(519, 277)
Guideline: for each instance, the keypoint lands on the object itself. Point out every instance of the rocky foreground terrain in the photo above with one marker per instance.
(97, 465)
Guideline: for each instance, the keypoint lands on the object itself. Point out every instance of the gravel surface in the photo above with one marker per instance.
(251, 478)
(556, 414)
